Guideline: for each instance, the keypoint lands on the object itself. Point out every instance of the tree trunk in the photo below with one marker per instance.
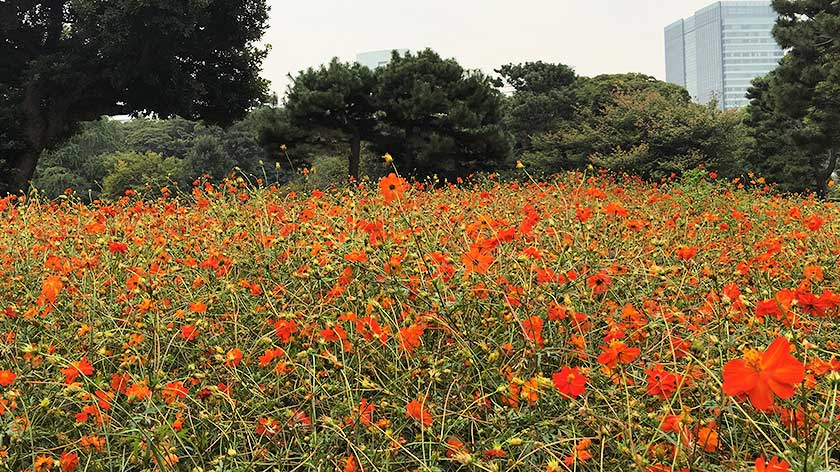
(24, 168)
(37, 129)
(409, 158)
(823, 175)
(355, 155)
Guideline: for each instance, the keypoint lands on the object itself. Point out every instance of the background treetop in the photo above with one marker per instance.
(66, 61)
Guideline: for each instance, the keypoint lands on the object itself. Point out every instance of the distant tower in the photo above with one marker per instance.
(376, 59)
(716, 53)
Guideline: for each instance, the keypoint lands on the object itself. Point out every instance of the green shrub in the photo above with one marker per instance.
(147, 172)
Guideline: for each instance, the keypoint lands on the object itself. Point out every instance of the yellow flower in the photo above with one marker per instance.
(520, 165)
(282, 147)
(388, 158)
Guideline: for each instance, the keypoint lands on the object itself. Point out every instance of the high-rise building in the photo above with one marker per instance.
(716, 53)
(375, 59)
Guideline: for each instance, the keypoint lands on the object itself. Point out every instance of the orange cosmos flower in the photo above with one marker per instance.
(814, 222)
(410, 337)
(579, 453)
(477, 260)
(138, 391)
(775, 465)
(43, 463)
(686, 252)
(173, 391)
(454, 446)
(233, 357)
(366, 412)
(533, 327)
(69, 461)
(198, 307)
(617, 351)
(707, 437)
(51, 288)
(417, 410)
(599, 283)
(189, 332)
(72, 372)
(660, 382)
(392, 187)
(570, 382)
(760, 375)
(350, 464)
(7, 377)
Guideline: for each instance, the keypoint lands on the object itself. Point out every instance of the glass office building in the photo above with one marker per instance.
(716, 53)
(375, 59)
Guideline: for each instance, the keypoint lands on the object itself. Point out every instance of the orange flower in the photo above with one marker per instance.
(533, 327)
(814, 222)
(454, 446)
(530, 391)
(92, 442)
(775, 465)
(198, 307)
(174, 391)
(189, 332)
(660, 382)
(570, 382)
(7, 377)
(392, 187)
(350, 464)
(72, 372)
(617, 351)
(51, 288)
(69, 461)
(417, 410)
(366, 411)
(233, 357)
(760, 375)
(270, 355)
(579, 453)
(477, 260)
(813, 272)
(686, 252)
(43, 463)
(599, 283)
(410, 337)
(138, 391)
(708, 438)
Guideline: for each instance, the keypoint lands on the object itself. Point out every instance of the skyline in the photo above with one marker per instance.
(593, 37)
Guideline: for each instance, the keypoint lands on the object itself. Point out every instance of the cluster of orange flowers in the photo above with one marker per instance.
(586, 323)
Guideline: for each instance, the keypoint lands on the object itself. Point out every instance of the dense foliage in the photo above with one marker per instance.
(430, 113)
(438, 118)
(776, 154)
(67, 61)
(624, 122)
(337, 97)
(85, 161)
(587, 323)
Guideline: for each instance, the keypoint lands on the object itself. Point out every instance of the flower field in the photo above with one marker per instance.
(585, 324)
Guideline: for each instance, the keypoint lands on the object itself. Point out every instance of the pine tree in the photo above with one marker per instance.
(806, 85)
(338, 97)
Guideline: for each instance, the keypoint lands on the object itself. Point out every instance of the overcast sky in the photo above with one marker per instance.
(593, 36)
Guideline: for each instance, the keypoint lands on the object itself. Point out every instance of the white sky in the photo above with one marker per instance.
(592, 36)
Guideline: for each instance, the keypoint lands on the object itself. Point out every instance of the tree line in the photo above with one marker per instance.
(65, 63)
